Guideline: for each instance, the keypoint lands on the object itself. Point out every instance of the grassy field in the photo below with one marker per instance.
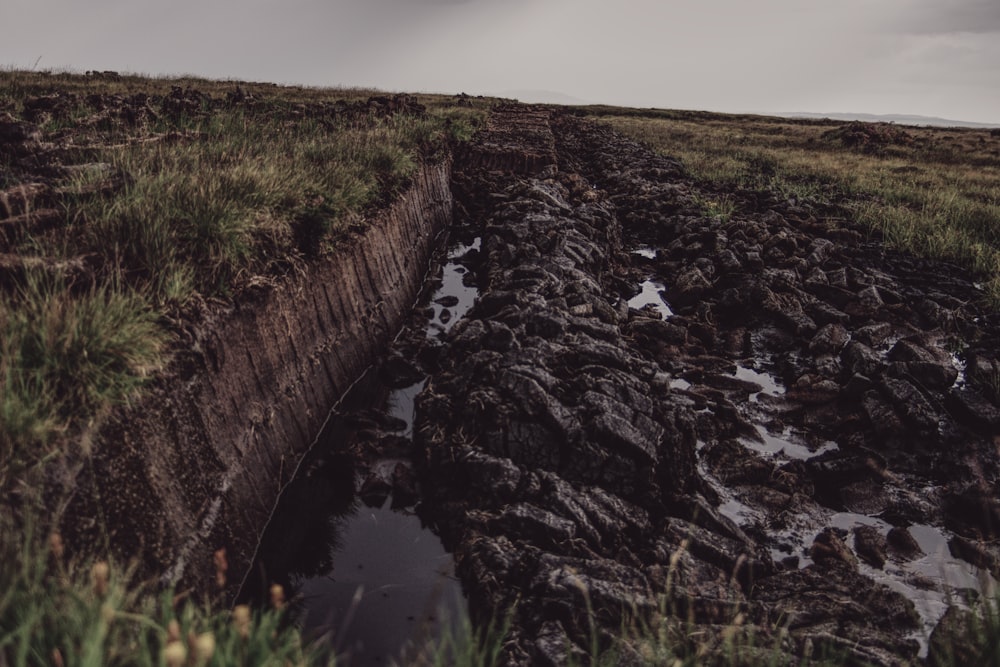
(931, 191)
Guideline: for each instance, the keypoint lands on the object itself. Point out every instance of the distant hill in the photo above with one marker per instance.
(543, 97)
(902, 119)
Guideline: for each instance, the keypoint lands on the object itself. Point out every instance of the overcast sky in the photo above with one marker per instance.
(929, 57)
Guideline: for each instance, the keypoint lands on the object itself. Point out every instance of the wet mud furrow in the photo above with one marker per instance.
(669, 417)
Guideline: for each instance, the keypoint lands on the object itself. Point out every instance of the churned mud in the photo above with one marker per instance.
(764, 419)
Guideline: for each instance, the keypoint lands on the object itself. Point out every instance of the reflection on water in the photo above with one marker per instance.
(454, 298)
(768, 382)
(389, 587)
(651, 295)
(680, 383)
(372, 581)
(933, 580)
(785, 444)
(400, 404)
(304, 531)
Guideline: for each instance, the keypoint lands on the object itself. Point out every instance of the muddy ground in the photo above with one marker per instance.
(760, 429)
(763, 428)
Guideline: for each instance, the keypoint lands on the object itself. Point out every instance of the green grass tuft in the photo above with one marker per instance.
(55, 612)
(66, 355)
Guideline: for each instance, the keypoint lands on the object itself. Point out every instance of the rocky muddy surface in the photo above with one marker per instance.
(762, 425)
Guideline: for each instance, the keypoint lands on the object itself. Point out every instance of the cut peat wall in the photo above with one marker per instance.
(198, 462)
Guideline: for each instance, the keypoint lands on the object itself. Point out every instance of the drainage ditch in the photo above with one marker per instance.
(372, 581)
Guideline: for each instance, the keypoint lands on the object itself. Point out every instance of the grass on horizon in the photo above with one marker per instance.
(934, 192)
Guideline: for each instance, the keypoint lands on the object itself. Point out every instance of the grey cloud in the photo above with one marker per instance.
(933, 57)
(932, 17)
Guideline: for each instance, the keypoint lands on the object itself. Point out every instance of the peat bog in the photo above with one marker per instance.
(724, 410)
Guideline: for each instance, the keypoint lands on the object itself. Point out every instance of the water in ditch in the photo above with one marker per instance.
(370, 579)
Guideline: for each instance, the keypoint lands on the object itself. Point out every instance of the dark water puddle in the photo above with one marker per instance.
(455, 296)
(645, 252)
(400, 403)
(785, 445)
(347, 541)
(391, 587)
(650, 290)
(369, 578)
(768, 383)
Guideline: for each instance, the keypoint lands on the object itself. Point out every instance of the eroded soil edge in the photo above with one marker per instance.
(198, 463)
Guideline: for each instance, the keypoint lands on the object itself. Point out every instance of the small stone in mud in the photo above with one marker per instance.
(868, 304)
(790, 562)
(448, 301)
(929, 374)
(865, 496)
(870, 545)
(858, 385)
(828, 546)
(859, 358)
(905, 350)
(949, 642)
(831, 338)
(972, 406)
(975, 552)
(922, 582)
(911, 403)
(882, 416)
(902, 545)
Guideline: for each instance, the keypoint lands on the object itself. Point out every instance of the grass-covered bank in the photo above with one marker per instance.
(159, 192)
(126, 203)
(934, 192)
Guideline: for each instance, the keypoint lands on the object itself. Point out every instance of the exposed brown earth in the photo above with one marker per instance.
(198, 463)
